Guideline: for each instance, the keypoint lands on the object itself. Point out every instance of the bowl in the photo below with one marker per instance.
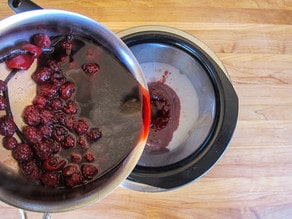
(194, 107)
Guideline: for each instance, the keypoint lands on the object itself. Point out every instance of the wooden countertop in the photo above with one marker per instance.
(254, 41)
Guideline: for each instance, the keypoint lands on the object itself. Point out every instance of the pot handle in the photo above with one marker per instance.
(23, 215)
(19, 6)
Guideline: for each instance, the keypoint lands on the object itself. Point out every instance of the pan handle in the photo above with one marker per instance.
(19, 6)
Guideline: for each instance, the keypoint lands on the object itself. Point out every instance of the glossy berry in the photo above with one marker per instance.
(51, 179)
(47, 90)
(41, 40)
(71, 107)
(69, 122)
(94, 134)
(7, 126)
(73, 180)
(90, 68)
(32, 134)
(66, 90)
(47, 117)
(33, 49)
(43, 150)
(46, 131)
(57, 104)
(89, 171)
(31, 170)
(82, 142)
(54, 163)
(9, 142)
(60, 133)
(53, 65)
(81, 126)
(70, 169)
(40, 101)
(20, 62)
(22, 153)
(89, 156)
(76, 157)
(69, 141)
(31, 115)
(42, 75)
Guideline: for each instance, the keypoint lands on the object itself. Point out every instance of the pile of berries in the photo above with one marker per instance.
(55, 142)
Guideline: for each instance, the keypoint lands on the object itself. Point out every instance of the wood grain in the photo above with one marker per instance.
(253, 38)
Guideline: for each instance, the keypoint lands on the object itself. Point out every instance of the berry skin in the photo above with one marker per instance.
(57, 104)
(3, 103)
(33, 49)
(82, 142)
(81, 127)
(89, 156)
(71, 107)
(31, 170)
(7, 126)
(89, 171)
(31, 115)
(51, 179)
(41, 40)
(70, 169)
(40, 102)
(32, 134)
(94, 134)
(76, 157)
(22, 153)
(9, 142)
(21, 62)
(42, 75)
(46, 131)
(47, 117)
(66, 90)
(69, 141)
(43, 150)
(47, 90)
(54, 163)
(73, 180)
(90, 68)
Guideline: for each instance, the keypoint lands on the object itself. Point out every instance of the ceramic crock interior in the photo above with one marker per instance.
(192, 84)
(119, 129)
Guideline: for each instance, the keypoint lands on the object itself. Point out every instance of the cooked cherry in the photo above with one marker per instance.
(70, 169)
(7, 126)
(82, 142)
(32, 134)
(41, 40)
(42, 75)
(51, 179)
(81, 126)
(31, 115)
(71, 107)
(66, 90)
(90, 68)
(47, 90)
(54, 163)
(69, 141)
(94, 134)
(89, 171)
(76, 157)
(73, 180)
(89, 156)
(9, 142)
(43, 150)
(47, 117)
(40, 102)
(22, 153)
(31, 170)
